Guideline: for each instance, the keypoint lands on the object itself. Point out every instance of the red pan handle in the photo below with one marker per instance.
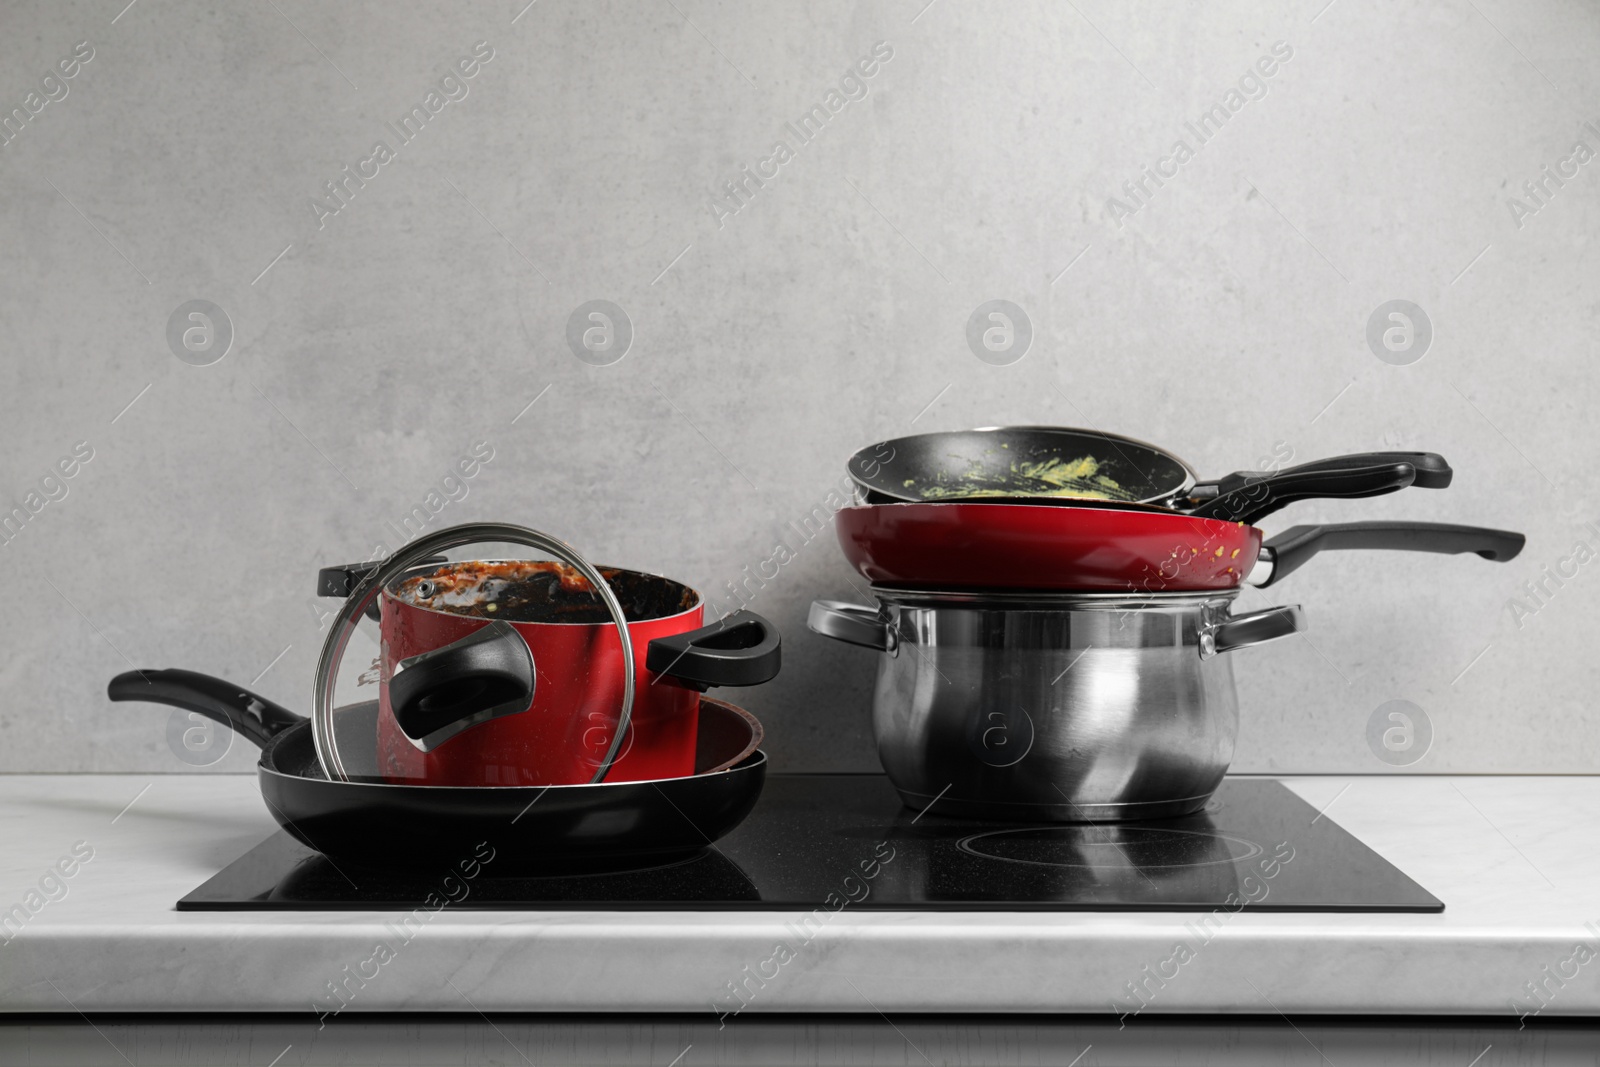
(1289, 550)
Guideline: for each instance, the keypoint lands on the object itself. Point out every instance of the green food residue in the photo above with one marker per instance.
(1078, 479)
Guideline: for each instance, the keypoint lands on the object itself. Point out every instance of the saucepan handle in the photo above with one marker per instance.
(341, 580)
(1256, 628)
(851, 623)
(253, 717)
(1290, 549)
(436, 695)
(739, 649)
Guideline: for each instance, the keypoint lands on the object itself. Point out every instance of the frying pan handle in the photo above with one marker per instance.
(1260, 495)
(850, 623)
(253, 717)
(1433, 472)
(1256, 628)
(436, 695)
(1290, 549)
(740, 649)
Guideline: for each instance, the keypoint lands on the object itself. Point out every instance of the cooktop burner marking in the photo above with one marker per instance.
(1142, 847)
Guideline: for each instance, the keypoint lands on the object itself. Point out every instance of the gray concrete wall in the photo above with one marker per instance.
(1224, 313)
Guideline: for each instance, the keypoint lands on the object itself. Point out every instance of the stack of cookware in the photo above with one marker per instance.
(1055, 605)
(547, 708)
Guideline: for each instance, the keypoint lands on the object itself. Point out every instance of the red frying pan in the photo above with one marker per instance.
(1040, 547)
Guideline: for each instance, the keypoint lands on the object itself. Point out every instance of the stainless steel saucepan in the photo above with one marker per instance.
(1058, 707)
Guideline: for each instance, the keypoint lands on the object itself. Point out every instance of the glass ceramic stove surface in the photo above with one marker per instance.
(812, 835)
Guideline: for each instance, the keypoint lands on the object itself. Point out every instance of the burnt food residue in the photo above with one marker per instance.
(538, 591)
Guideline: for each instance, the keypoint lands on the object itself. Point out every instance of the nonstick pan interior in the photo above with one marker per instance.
(1019, 461)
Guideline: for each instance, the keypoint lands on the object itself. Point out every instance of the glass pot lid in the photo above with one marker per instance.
(487, 670)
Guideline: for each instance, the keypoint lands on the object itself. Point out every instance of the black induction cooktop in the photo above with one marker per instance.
(839, 840)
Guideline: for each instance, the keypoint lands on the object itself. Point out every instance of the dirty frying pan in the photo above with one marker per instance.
(533, 829)
(968, 546)
(1087, 468)
(1009, 461)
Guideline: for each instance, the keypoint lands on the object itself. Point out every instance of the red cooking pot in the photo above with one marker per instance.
(513, 672)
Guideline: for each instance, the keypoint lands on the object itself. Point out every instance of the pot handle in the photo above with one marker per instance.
(1290, 549)
(1255, 497)
(341, 580)
(1256, 628)
(253, 717)
(739, 649)
(850, 623)
(437, 694)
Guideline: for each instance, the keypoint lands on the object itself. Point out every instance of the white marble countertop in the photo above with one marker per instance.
(1516, 860)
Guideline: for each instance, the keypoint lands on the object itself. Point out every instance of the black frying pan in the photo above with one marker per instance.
(1058, 465)
(533, 829)
(1008, 461)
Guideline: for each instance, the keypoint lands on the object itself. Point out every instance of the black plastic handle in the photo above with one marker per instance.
(1255, 497)
(1433, 472)
(341, 579)
(245, 713)
(1290, 549)
(740, 649)
(436, 695)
